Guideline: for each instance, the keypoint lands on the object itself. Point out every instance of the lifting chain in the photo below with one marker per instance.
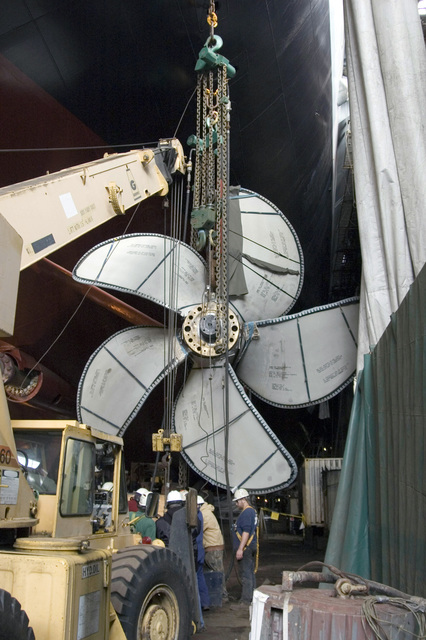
(212, 19)
(209, 218)
(198, 157)
(221, 254)
(182, 473)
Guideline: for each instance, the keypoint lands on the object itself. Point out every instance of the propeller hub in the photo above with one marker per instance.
(203, 331)
(208, 327)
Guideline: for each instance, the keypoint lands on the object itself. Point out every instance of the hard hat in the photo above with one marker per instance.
(240, 494)
(200, 500)
(107, 486)
(183, 494)
(142, 495)
(158, 543)
(174, 496)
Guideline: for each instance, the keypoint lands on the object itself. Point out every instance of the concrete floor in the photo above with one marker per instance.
(277, 554)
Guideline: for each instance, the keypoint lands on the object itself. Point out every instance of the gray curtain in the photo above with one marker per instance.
(378, 528)
(386, 65)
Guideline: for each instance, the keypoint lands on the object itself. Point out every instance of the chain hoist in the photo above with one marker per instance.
(209, 216)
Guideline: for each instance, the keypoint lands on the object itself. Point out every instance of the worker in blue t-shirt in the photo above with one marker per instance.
(245, 547)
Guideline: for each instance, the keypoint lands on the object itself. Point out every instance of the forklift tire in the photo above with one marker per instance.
(14, 623)
(151, 594)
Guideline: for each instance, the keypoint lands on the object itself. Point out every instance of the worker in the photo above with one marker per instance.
(140, 522)
(245, 541)
(199, 559)
(103, 504)
(108, 488)
(133, 503)
(213, 543)
(163, 525)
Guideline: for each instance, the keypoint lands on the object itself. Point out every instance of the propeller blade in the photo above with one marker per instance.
(256, 459)
(269, 250)
(151, 266)
(121, 374)
(302, 359)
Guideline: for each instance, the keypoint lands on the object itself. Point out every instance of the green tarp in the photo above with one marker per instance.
(379, 521)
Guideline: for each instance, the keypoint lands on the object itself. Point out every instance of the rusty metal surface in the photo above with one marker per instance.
(276, 553)
(291, 578)
(317, 614)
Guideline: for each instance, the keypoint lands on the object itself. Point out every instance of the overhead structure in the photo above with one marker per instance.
(227, 322)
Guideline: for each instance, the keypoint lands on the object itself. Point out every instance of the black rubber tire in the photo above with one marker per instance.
(14, 623)
(150, 591)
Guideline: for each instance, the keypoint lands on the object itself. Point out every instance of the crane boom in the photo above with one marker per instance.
(43, 214)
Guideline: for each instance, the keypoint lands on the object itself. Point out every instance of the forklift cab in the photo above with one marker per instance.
(73, 471)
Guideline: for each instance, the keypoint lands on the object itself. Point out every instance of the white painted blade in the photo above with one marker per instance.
(272, 259)
(305, 358)
(151, 266)
(256, 458)
(122, 373)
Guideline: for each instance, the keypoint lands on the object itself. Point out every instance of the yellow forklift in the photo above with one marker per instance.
(70, 569)
(67, 556)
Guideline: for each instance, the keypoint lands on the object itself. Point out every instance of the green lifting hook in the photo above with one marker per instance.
(208, 59)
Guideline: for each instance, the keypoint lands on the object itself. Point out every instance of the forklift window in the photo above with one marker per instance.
(38, 455)
(106, 454)
(123, 504)
(107, 457)
(78, 480)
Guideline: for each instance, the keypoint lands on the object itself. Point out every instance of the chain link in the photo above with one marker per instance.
(221, 258)
(198, 156)
(182, 473)
(210, 130)
(211, 184)
(212, 19)
(198, 150)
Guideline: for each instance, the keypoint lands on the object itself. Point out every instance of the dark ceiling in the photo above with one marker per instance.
(126, 71)
(79, 77)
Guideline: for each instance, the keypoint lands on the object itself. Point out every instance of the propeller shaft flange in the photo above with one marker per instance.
(202, 335)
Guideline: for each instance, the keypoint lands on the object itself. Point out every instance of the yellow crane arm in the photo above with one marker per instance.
(41, 215)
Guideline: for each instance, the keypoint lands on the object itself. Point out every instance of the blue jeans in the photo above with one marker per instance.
(202, 587)
(246, 568)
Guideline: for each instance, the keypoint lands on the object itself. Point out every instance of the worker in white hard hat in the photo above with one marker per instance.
(200, 555)
(245, 542)
(140, 523)
(174, 502)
